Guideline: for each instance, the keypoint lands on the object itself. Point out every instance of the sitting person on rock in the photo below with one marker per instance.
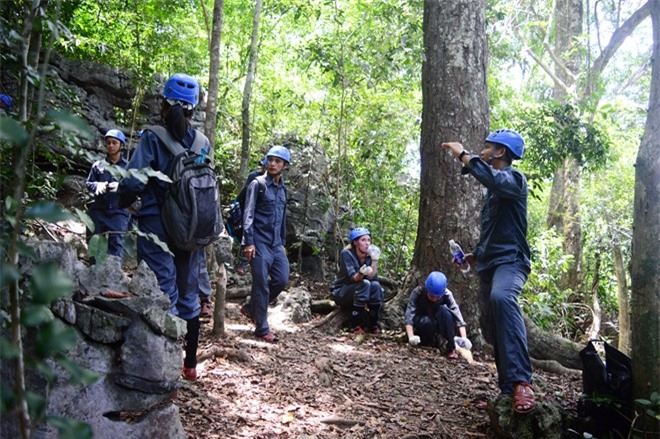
(356, 285)
(432, 312)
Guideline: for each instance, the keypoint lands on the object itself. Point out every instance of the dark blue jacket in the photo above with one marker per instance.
(503, 234)
(108, 201)
(150, 154)
(264, 216)
(420, 305)
(348, 266)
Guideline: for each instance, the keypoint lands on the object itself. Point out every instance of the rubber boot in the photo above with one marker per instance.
(372, 324)
(358, 314)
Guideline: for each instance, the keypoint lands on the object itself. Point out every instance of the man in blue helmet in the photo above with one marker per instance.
(357, 286)
(502, 257)
(264, 238)
(177, 271)
(432, 311)
(107, 215)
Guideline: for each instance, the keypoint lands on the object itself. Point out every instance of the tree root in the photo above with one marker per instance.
(230, 354)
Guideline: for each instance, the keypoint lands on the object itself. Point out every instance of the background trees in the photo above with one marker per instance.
(348, 75)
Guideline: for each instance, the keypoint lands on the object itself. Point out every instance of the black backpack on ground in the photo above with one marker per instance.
(191, 212)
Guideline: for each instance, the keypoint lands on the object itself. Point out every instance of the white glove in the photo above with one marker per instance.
(463, 342)
(374, 252)
(366, 271)
(112, 187)
(414, 340)
(101, 187)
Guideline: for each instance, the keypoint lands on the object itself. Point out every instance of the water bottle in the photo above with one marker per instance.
(459, 256)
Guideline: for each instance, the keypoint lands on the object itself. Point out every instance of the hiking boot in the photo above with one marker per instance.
(189, 373)
(358, 330)
(375, 330)
(207, 310)
(245, 311)
(268, 337)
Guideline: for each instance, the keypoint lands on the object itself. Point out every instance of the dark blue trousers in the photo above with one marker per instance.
(358, 293)
(105, 221)
(429, 328)
(177, 274)
(269, 262)
(500, 287)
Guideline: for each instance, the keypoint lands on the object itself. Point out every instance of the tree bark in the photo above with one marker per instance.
(622, 296)
(214, 72)
(596, 310)
(247, 95)
(545, 346)
(645, 299)
(454, 108)
(220, 301)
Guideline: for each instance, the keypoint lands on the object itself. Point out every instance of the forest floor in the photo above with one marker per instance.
(320, 383)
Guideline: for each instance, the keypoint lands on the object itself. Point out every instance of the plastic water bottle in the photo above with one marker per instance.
(459, 256)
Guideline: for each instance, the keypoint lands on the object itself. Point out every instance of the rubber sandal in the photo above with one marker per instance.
(189, 373)
(453, 355)
(245, 311)
(358, 330)
(523, 398)
(269, 337)
(481, 405)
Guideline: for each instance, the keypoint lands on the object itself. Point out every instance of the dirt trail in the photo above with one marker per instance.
(317, 384)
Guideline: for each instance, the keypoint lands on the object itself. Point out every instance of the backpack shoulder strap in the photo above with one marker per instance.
(199, 143)
(172, 145)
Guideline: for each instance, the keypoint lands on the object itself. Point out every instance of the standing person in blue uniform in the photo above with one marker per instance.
(502, 257)
(432, 311)
(108, 217)
(264, 238)
(356, 285)
(177, 272)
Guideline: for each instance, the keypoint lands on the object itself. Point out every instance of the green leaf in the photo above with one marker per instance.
(98, 248)
(644, 402)
(85, 219)
(70, 122)
(25, 250)
(8, 349)
(78, 374)
(49, 283)
(154, 238)
(35, 315)
(53, 338)
(7, 398)
(70, 428)
(8, 274)
(49, 211)
(13, 132)
(36, 405)
(47, 372)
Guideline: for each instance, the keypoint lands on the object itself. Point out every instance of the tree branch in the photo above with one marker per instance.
(618, 37)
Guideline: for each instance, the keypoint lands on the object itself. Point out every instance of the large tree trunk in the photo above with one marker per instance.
(645, 299)
(624, 307)
(247, 95)
(545, 346)
(564, 208)
(454, 108)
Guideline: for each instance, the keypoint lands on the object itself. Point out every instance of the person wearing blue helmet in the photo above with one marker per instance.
(177, 271)
(264, 238)
(108, 217)
(432, 311)
(502, 257)
(356, 285)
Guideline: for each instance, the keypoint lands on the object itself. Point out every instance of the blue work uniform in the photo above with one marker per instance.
(178, 272)
(264, 226)
(432, 318)
(346, 292)
(104, 210)
(503, 265)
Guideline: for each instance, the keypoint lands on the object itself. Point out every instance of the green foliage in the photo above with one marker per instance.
(651, 406)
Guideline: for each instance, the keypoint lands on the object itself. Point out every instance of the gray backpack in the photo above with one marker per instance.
(191, 213)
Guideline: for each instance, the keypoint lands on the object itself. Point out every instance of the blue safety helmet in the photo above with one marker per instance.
(182, 88)
(436, 284)
(117, 135)
(264, 162)
(357, 232)
(279, 151)
(510, 139)
(6, 100)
